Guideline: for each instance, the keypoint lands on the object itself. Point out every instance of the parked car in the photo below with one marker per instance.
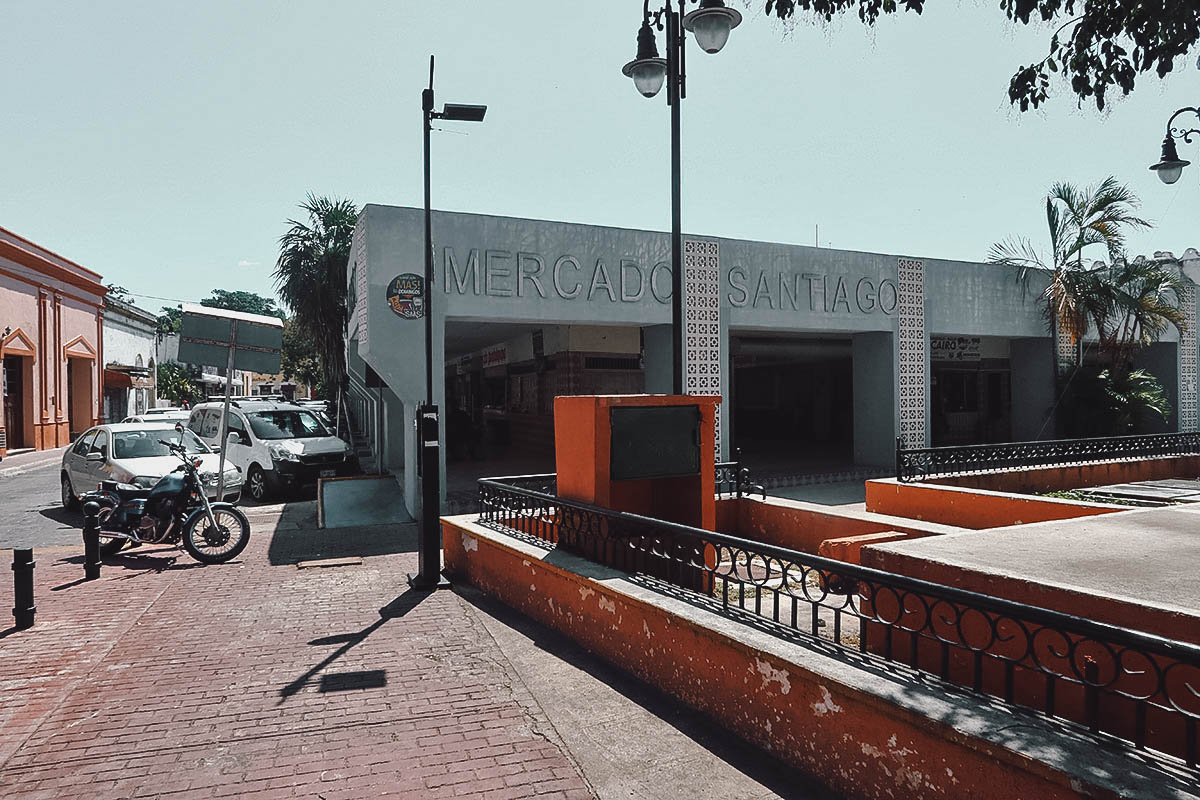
(278, 446)
(130, 453)
(161, 415)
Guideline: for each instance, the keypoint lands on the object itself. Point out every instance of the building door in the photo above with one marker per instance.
(79, 395)
(14, 402)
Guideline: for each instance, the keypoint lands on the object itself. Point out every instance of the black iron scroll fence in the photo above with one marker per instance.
(1142, 688)
(914, 464)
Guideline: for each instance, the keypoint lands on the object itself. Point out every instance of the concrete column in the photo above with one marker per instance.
(656, 355)
(1032, 364)
(875, 422)
(1161, 360)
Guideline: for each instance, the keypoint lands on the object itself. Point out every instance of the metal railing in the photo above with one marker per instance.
(732, 479)
(1138, 687)
(914, 464)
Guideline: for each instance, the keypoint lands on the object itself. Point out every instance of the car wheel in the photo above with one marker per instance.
(256, 483)
(69, 501)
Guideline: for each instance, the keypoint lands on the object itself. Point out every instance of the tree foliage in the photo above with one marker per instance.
(246, 302)
(176, 384)
(310, 276)
(1097, 45)
(300, 361)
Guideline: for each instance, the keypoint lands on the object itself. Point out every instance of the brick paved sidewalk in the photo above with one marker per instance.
(169, 679)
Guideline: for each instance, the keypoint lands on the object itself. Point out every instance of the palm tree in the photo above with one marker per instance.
(1141, 300)
(311, 278)
(1076, 219)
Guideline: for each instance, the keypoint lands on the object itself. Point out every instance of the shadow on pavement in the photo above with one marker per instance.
(297, 538)
(393, 610)
(68, 519)
(742, 756)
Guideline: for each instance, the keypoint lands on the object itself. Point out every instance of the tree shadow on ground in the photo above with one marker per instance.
(296, 538)
(746, 758)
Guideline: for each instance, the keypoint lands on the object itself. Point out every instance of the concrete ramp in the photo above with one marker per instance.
(367, 500)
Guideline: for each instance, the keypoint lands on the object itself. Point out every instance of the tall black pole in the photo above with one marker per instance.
(426, 114)
(674, 56)
(429, 543)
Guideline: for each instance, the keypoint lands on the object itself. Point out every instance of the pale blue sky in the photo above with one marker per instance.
(164, 143)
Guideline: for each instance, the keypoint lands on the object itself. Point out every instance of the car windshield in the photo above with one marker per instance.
(288, 423)
(145, 443)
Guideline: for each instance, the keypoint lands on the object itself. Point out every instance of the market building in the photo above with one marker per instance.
(51, 346)
(823, 357)
(130, 345)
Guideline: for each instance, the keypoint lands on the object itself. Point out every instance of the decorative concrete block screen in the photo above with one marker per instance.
(1187, 359)
(914, 351)
(702, 322)
(358, 250)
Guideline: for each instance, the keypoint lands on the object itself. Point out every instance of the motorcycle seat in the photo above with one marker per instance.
(126, 491)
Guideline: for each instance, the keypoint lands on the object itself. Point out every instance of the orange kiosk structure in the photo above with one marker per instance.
(651, 455)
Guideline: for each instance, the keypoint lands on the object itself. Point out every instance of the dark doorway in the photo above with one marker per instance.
(793, 403)
(14, 402)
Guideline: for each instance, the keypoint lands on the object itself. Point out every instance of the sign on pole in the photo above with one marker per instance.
(216, 336)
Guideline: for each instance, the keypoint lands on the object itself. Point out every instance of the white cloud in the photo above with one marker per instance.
(244, 263)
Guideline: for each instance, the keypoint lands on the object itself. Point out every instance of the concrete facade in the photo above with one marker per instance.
(51, 346)
(130, 347)
(878, 324)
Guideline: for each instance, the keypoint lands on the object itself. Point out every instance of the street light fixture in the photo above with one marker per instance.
(429, 550)
(711, 23)
(1170, 165)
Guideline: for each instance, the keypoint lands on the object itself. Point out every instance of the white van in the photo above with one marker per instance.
(278, 446)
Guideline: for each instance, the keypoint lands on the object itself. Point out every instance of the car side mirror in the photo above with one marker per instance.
(234, 437)
(100, 457)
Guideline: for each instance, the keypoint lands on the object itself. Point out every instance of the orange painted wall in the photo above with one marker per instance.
(582, 439)
(1051, 479)
(857, 744)
(967, 508)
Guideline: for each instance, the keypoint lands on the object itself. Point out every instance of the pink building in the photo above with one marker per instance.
(50, 345)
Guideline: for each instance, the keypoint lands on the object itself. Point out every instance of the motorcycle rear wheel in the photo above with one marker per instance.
(216, 546)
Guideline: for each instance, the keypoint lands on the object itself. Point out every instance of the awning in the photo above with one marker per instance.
(206, 377)
(117, 380)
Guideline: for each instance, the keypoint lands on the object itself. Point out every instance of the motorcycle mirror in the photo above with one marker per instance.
(179, 427)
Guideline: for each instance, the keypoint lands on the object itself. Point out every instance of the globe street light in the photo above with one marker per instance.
(1170, 165)
(429, 551)
(711, 24)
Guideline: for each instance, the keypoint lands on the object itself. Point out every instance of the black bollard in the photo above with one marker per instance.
(91, 541)
(23, 608)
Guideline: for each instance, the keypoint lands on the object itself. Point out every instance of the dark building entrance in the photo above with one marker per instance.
(14, 402)
(793, 402)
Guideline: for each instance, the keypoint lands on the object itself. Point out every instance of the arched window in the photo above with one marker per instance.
(138, 361)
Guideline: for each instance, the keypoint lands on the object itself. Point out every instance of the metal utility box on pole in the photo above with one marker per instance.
(216, 337)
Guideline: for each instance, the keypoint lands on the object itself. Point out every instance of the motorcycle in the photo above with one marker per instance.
(175, 510)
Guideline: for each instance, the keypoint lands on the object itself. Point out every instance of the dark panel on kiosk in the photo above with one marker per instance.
(654, 442)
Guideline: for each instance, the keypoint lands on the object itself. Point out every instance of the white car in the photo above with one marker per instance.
(172, 416)
(131, 453)
(278, 446)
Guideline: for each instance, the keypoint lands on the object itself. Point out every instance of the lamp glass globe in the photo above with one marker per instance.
(711, 29)
(1169, 175)
(648, 77)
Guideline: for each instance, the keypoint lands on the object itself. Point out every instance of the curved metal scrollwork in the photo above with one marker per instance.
(1132, 685)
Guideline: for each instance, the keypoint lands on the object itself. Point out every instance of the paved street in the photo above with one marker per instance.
(30, 512)
(258, 679)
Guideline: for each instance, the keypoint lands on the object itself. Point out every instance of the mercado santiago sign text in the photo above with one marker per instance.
(506, 273)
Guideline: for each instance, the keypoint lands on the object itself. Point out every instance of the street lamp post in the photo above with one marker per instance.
(711, 24)
(429, 549)
(1170, 165)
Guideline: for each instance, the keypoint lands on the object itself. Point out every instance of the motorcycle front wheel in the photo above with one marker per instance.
(215, 545)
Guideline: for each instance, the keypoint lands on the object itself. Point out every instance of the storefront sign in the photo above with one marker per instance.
(954, 348)
(810, 291)
(494, 356)
(406, 296)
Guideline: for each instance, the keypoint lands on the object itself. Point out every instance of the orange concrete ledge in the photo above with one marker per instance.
(972, 508)
(1054, 479)
(864, 731)
(804, 526)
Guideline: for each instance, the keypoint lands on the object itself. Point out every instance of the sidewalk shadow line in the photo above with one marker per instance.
(397, 608)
